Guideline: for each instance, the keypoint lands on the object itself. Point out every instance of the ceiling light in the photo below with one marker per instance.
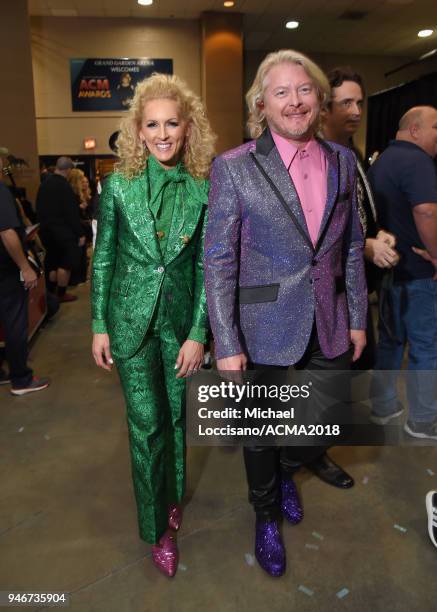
(424, 33)
(292, 25)
(229, 3)
(145, 2)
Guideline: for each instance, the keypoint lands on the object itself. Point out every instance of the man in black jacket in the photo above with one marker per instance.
(61, 230)
(341, 120)
(16, 277)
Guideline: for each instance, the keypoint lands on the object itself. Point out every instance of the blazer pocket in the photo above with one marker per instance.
(344, 196)
(258, 294)
(340, 286)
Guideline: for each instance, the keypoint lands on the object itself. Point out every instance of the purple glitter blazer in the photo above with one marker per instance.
(265, 281)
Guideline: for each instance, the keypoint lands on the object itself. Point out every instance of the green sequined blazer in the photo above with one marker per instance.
(130, 275)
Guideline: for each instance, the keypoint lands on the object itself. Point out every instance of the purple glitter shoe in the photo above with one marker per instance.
(291, 506)
(269, 548)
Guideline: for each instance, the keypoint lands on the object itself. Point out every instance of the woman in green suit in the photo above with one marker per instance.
(148, 298)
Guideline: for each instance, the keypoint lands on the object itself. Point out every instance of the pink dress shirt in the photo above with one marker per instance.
(308, 171)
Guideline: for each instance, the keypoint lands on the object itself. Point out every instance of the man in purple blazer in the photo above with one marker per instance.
(284, 268)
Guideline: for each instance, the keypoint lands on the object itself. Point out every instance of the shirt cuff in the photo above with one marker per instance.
(198, 334)
(99, 326)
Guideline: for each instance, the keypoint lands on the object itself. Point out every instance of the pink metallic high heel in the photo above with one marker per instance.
(174, 517)
(165, 554)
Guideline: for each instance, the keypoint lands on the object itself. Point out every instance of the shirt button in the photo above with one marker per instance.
(305, 176)
(160, 269)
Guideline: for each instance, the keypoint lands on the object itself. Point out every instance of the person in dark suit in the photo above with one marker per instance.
(341, 119)
(284, 268)
(61, 230)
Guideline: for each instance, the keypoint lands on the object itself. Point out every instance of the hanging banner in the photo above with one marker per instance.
(109, 84)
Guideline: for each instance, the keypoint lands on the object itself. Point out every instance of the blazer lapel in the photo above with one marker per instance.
(184, 222)
(333, 172)
(140, 217)
(267, 155)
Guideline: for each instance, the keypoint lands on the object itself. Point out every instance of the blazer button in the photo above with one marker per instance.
(160, 269)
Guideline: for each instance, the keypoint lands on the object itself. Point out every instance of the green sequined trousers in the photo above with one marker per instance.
(155, 402)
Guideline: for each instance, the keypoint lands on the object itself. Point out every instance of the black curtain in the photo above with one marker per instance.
(386, 108)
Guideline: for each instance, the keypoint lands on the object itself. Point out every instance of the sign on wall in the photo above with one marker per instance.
(109, 84)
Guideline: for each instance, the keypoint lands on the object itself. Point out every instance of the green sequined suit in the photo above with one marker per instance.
(148, 295)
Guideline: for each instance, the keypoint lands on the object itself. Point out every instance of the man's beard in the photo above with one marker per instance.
(306, 131)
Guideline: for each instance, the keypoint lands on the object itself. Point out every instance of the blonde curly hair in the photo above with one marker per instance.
(199, 145)
(256, 122)
(75, 179)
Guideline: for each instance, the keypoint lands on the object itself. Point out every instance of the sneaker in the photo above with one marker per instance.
(37, 384)
(4, 378)
(67, 297)
(383, 420)
(431, 508)
(420, 429)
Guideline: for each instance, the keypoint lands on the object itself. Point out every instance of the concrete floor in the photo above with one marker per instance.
(68, 522)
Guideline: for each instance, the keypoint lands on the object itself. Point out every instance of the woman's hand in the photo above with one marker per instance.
(102, 352)
(190, 358)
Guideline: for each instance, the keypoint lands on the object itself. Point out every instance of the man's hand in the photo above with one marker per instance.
(82, 241)
(236, 364)
(102, 352)
(190, 358)
(13, 245)
(358, 339)
(30, 277)
(425, 255)
(380, 253)
(386, 237)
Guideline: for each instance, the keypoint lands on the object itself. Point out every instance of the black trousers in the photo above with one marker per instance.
(15, 322)
(265, 464)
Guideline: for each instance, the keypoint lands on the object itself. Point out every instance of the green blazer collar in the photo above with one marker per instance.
(135, 196)
(185, 216)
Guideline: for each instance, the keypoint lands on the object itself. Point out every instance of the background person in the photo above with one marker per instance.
(14, 295)
(148, 296)
(341, 119)
(404, 181)
(61, 230)
(80, 185)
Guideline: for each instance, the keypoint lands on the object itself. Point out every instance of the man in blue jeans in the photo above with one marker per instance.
(16, 278)
(404, 182)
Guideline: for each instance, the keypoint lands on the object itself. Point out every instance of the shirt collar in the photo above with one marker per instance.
(288, 151)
